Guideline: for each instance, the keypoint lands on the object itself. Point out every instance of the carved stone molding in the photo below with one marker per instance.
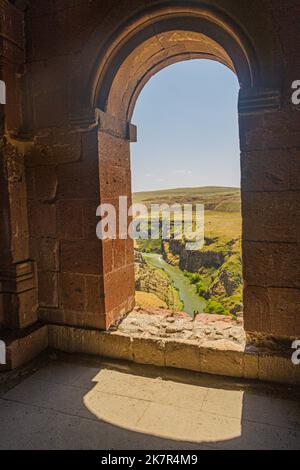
(105, 123)
(21, 279)
(259, 100)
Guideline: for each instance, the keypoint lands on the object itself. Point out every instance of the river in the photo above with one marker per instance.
(188, 294)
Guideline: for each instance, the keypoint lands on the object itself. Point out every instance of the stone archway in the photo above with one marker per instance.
(132, 58)
(145, 59)
(75, 93)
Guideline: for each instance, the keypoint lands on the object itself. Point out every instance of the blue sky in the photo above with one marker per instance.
(187, 128)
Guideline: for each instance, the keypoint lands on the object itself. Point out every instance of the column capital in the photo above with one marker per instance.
(105, 122)
(259, 100)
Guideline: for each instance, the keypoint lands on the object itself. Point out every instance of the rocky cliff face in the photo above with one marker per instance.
(193, 261)
(216, 271)
(154, 281)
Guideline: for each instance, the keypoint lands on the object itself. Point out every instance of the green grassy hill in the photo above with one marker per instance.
(215, 198)
(222, 206)
(220, 284)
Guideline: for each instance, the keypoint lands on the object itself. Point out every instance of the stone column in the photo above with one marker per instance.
(82, 280)
(115, 181)
(23, 335)
(270, 142)
(63, 181)
(17, 271)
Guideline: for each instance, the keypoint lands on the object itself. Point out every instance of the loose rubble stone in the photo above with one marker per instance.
(179, 325)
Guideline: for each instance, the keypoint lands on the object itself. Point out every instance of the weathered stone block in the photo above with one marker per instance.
(52, 148)
(107, 256)
(72, 292)
(25, 308)
(222, 361)
(115, 346)
(267, 131)
(271, 264)
(47, 254)
(114, 152)
(69, 339)
(119, 253)
(251, 365)
(112, 317)
(70, 220)
(22, 350)
(90, 144)
(83, 257)
(70, 317)
(148, 351)
(285, 312)
(42, 220)
(30, 182)
(275, 311)
(280, 369)
(51, 108)
(182, 356)
(90, 220)
(118, 286)
(114, 182)
(94, 294)
(271, 216)
(48, 289)
(79, 180)
(270, 170)
(129, 251)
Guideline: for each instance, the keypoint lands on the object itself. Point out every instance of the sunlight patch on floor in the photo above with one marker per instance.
(111, 405)
(166, 409)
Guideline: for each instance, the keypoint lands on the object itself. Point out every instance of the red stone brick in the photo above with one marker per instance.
(113, 182)
(256, 310)
(107, 256)
(42, 220)
(114, 151)
(90, 219)
(70, 219)
(72, 318)
(82, 257)
(79, 180)
(72, 292)
(118, 287)
(129, 251)
(273, 311)
(94, 294)
(119, 253)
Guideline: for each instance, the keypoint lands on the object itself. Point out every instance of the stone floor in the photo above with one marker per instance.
(106, 405)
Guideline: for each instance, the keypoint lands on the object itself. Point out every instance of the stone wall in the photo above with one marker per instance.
(58, 160)
(18, 289)
(270, 146)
